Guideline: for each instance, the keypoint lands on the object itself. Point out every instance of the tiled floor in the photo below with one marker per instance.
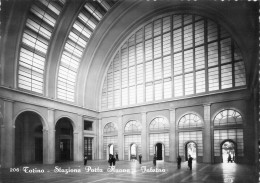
(201, 173)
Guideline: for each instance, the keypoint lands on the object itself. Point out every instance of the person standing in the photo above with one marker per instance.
(85, 160)
(113, 159)
(140, 158)
(110, 160)
(154, 159)
(229, 158)
(190, 162)
(179, 162)
(117, 157)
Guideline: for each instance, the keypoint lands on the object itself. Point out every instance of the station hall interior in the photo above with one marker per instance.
(100, 77)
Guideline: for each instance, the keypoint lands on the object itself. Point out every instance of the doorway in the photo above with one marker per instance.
(110, 150)
(191, 149)
(64, 140)
(228, 152)
(28, 138)
(88, 147)
(159, 151)
(133, 152)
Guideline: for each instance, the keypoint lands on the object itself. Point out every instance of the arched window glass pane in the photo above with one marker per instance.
(159, 123)
(228, 117)
(168, 59)
(36, 37)
(84, 26)
(110, 128)
(133, 126)
(190, 121)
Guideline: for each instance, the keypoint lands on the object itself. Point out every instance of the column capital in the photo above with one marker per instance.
(206, 104)
(143, 112)
(51, 109)
(172, 109)
(8, 100)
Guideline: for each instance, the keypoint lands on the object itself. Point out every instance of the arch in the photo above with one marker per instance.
(227, 116)
(133, 151)
(159, 123)
(43, 120)
(74, 126)
(109, 128)
(232, 151)
(133, 126)
(190, 120)
(159, 150)
(218, 41)
(190, 150)
(64, 139)
(28, 139)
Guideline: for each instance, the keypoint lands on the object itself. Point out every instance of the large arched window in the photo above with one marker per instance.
(228, 117)
(228, 126)
(88, 18)
(35, 41)
(110, 128)
(170, 57)
(133, 126)
(190, 121)
(159, 123)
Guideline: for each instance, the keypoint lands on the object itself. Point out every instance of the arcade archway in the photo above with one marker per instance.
(28, 138)
(191, 149)
(64, 140)
(228, 151)
(159, 151)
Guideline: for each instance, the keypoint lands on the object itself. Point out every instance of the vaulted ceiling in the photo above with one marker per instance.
(83, 36)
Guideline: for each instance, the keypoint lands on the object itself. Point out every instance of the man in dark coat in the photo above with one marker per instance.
(154, 159)
(190, 162)
(85, 160)
(140, 158)
(179, 162)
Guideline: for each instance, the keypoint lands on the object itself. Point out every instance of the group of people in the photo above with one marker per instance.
(189, 162)
(112, 160)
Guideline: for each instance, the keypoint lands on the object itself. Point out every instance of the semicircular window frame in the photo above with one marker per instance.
(190, 120)
(159, 124)
(110, 128)
(228, 117)
(149, 65)
(133, 126)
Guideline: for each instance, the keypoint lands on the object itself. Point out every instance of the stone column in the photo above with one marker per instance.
(75, 145)
(144, 138)
(80, 121)
(100, 140)
(207, 144)
(173, 152)
(49, 139)
(8, 135)
(120, 137)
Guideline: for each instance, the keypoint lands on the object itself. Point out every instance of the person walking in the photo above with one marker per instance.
(190, 162)
(85, 160)
(140, 158)
(154, 159)
(179, 162)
